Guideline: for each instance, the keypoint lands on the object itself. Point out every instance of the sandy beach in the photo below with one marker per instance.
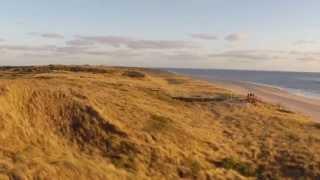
(301, 104)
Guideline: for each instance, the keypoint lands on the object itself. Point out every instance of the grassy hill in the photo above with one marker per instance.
(84, 122)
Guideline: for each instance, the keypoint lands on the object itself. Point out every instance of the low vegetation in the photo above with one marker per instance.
(134, 74)
(52, 68)
(243, 168)
(158, 124)
(85, 122)
(176, 81)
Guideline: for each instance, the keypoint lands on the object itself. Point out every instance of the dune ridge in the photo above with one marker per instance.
(95, 122)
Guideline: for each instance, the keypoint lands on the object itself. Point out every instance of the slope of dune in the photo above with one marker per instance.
(83, 122)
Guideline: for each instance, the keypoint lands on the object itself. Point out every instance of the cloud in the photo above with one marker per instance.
(37, 55)
(1, 40)
(114, 41)
(53, 51)
(79, 42)
(47, 35)
(147, 48)
(114, 53)
(238, 55)
(250, 55)
(204, 36)
(306, 56)
(304, 42)
(26, 48)
(186, 56)
(120, 41)
(235, 37)
(45, 50)
(309, 59)
(268, 55)
(304, 53)
(71, 50)
(161, 44)
(52, 35)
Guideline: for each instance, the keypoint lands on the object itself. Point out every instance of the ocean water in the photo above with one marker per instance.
(300, 83)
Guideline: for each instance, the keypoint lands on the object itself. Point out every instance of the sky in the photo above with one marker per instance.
(222, 34)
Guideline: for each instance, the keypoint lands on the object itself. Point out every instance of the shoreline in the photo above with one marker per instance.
(294, 92)
(274, 95)
(270, 94)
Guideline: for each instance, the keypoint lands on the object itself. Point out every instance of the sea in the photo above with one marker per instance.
(300, 83)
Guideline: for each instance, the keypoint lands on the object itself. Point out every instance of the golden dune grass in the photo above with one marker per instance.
(72, 122)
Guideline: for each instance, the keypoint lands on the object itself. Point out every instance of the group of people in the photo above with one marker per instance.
(251, 98)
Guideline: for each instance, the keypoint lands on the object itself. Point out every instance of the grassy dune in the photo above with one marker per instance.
(83, 122)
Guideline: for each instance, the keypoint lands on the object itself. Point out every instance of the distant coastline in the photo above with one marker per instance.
(306, 84)
(301, 103)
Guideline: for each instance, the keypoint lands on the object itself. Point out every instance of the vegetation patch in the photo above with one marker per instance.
(215, 98)
(195, 167)
(134, 74)
(282, 109)
(241, 167)
(51, 68)
(190, 169)
(3, 90)
(88, 69)
(317, 125)
(158, 124)
(175, 81)
(123, 155)
(285, 111)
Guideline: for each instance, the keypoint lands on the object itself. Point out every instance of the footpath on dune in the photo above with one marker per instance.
(85, 122)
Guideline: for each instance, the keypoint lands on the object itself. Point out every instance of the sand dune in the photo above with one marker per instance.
(83, 122)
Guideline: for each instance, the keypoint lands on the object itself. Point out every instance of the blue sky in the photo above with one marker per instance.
(246, 34)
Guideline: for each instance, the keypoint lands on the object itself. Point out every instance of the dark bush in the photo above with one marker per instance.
(317, 125)
(134, 74)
